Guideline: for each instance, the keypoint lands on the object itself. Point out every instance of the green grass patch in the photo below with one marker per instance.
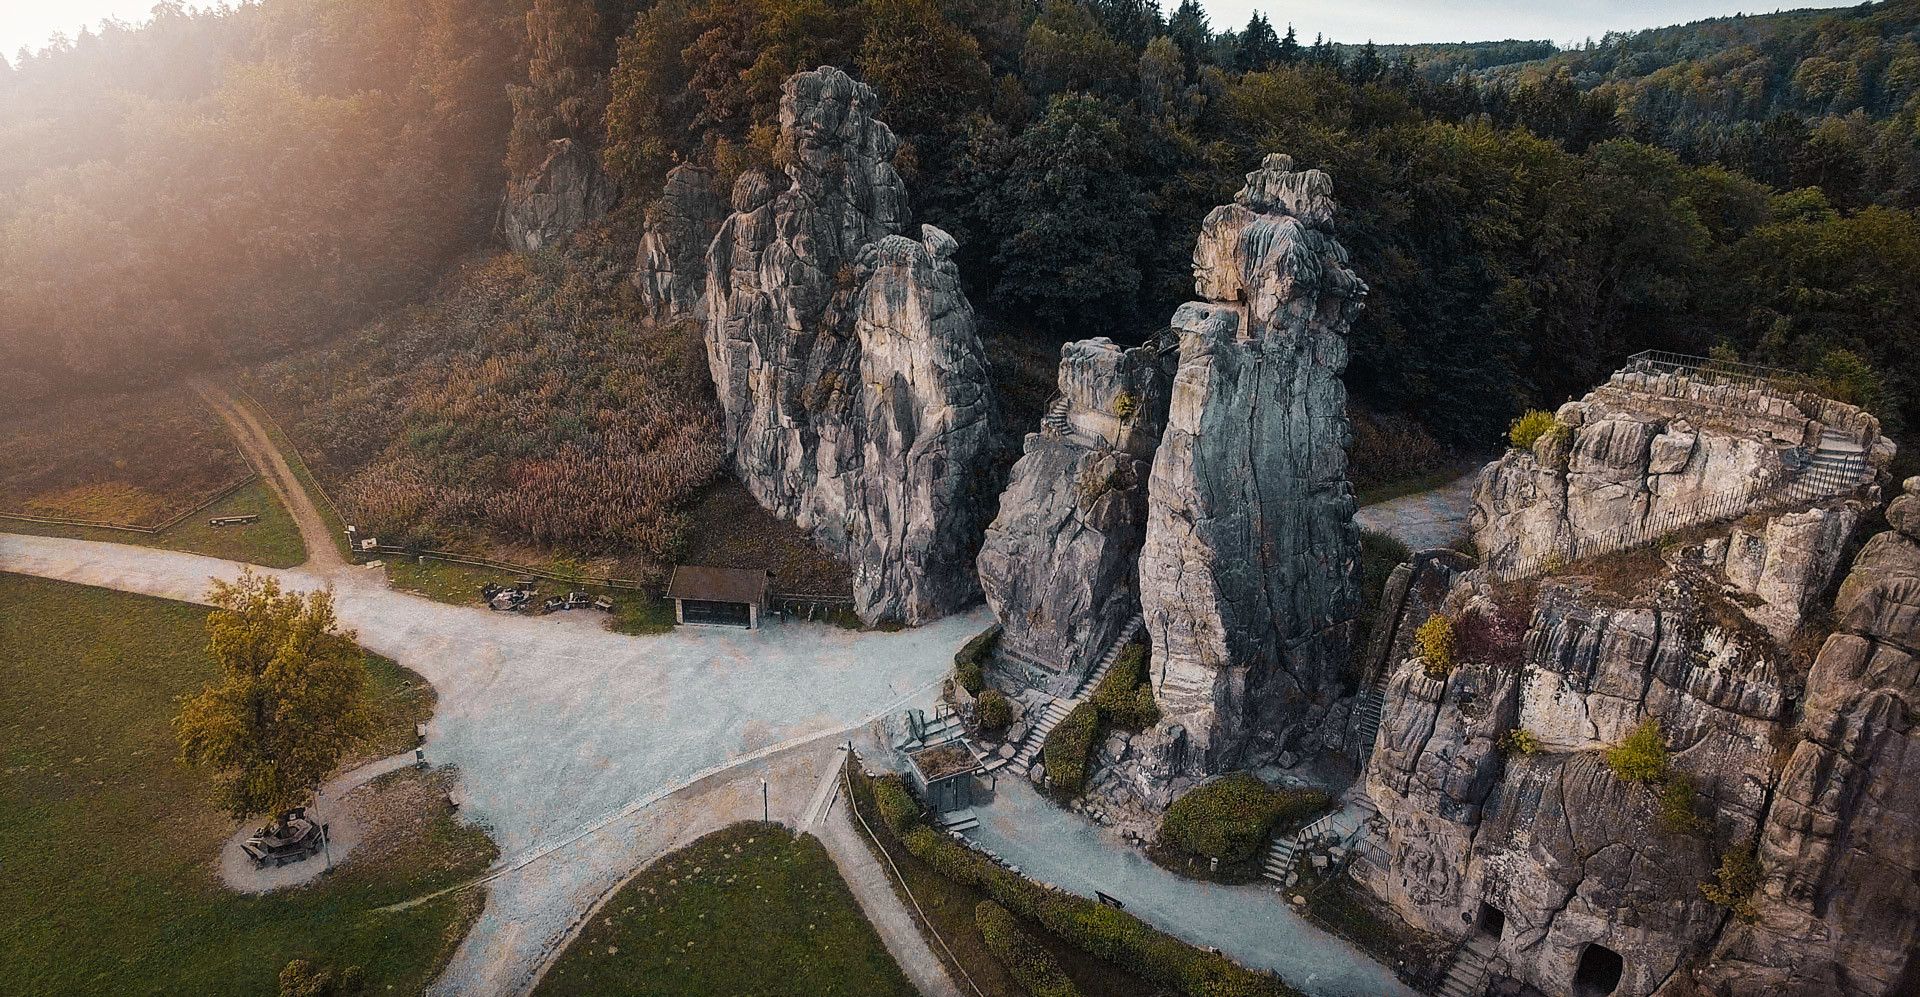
(273, 542)
(1068, 751)
(1425, 481)
(110, 843)
(748, 909)
(1231, 819)
(459, 585)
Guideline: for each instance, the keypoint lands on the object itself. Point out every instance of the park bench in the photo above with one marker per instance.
(603, 604)
(246, 520)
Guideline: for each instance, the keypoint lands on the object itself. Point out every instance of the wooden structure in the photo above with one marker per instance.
(728, 597)
(944, 775)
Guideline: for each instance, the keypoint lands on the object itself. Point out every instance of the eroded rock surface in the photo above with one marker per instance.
(671, 269)
(1059, 562)
(846, 360)
(1247, 572)
(568, 190)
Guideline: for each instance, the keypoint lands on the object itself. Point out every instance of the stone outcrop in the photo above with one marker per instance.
(845, 358)
(1247, 572)
(568, 190)
(671, 269)
(1059, 561)
(1648, 453)
(1576, 861)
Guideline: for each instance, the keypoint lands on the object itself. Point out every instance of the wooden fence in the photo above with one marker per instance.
(177, 519)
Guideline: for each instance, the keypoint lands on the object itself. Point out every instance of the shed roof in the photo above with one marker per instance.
(705, 584)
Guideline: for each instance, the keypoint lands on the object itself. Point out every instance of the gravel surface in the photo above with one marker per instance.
(332, 807)
(1424, 520)
(567, 737)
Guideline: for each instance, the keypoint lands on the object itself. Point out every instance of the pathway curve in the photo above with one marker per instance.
(1423, 520)
(257, 446)
(1248, 923)
(573, 743)
(239, 872)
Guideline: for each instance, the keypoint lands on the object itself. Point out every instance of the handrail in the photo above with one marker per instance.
(853, 806)
(1728, 371)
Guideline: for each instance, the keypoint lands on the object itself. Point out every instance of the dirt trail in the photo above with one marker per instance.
(323, 555)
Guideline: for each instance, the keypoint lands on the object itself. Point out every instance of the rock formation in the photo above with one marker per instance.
(845, 358)
(1059, 562)
(568, 190)
(671, 270)
(1247, 572)
(1574, 865)
(1651, 451)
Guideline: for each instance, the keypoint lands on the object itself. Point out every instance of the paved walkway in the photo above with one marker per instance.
(1436, 518)
(566, 734)
(1249, 923)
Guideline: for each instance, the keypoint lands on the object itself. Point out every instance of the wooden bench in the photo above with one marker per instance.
(246, 520)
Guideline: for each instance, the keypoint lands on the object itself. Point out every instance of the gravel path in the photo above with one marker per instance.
(344, 832)
(571, 741)
(1436, 518)
(1249, 923)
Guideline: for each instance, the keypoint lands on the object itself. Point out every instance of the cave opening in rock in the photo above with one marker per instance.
(1491, 921)
(1598, 973)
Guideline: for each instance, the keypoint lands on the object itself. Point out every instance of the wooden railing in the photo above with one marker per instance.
(176, 520)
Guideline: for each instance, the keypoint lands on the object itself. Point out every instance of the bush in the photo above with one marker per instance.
(1734, 883)
(898, 809)
(995, 713)
(970, 664)
(1519, 741)
(1094, 928)
(1122, 697)
(1232, 817)
(1492, 637)
(1530, 427)
(1069, 746)
(301, 978)
(1435, 641)
(1679, 812)
(1030, 964)
(1642, 757)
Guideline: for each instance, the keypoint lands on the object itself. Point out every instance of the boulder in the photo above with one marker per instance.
(845, 358)
(1247, 572)
(566, 191)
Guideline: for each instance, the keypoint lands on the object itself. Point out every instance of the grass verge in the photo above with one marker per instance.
(273, 542)
(459, 585)
(110, 843)
(748, 909)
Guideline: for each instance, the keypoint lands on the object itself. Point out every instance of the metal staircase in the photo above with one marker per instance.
(1056, 417)
(1371, 706)
(1838, 466)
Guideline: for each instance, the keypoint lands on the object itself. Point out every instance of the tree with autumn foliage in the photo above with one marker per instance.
(290, 698)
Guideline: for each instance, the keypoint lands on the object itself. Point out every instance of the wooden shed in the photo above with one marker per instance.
(726, 597)
(944, 775)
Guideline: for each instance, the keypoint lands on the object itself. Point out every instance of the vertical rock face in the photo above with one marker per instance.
(845, 357)
(1246, 577)
(671, 270)
(567, 191)
(1838, 909)
(1058, 565)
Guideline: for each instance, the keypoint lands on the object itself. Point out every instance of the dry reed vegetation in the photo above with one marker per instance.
(134, 459)
(522, 406)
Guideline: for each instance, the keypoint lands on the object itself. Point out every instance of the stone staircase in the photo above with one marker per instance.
(958, 820)
(1281, 853)
(1838, 465)
(1370, 708)
(1467, 974)
(1057, 709)
(1056, 417)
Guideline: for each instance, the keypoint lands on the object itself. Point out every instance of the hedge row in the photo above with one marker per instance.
(1232, 817)
(1031, 965)
(898, 809)
(1124, 696)
(1069, 747)
(1101, 931)
(970, 663)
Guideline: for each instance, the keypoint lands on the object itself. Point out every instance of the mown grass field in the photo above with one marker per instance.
(747, 910)
(109, 844)
(273, 542)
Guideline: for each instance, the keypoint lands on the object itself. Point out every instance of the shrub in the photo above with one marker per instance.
(1435, 641)
(898, 809)
(970, 664)
(1519, 741)
(1125, 405)
(1122, 698)
(1530, 427)
(1679, 812)
(1029, 963)
(1098, 930)
(301, 978)
(1231, 817)
(1642, 757)
(995, 712)
(1492, 637)
(1068, 747)
(1734, 882)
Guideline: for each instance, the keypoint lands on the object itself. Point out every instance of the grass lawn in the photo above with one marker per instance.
(1389, 490)
(110, 844)
(949, 906)
(459, 585)
(747, 910)
(274, 541)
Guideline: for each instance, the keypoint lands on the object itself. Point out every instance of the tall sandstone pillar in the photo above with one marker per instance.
(1247, 577)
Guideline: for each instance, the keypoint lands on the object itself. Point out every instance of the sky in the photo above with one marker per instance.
(31, 22)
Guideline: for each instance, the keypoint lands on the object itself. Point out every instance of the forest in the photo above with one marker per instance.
(275, 183)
